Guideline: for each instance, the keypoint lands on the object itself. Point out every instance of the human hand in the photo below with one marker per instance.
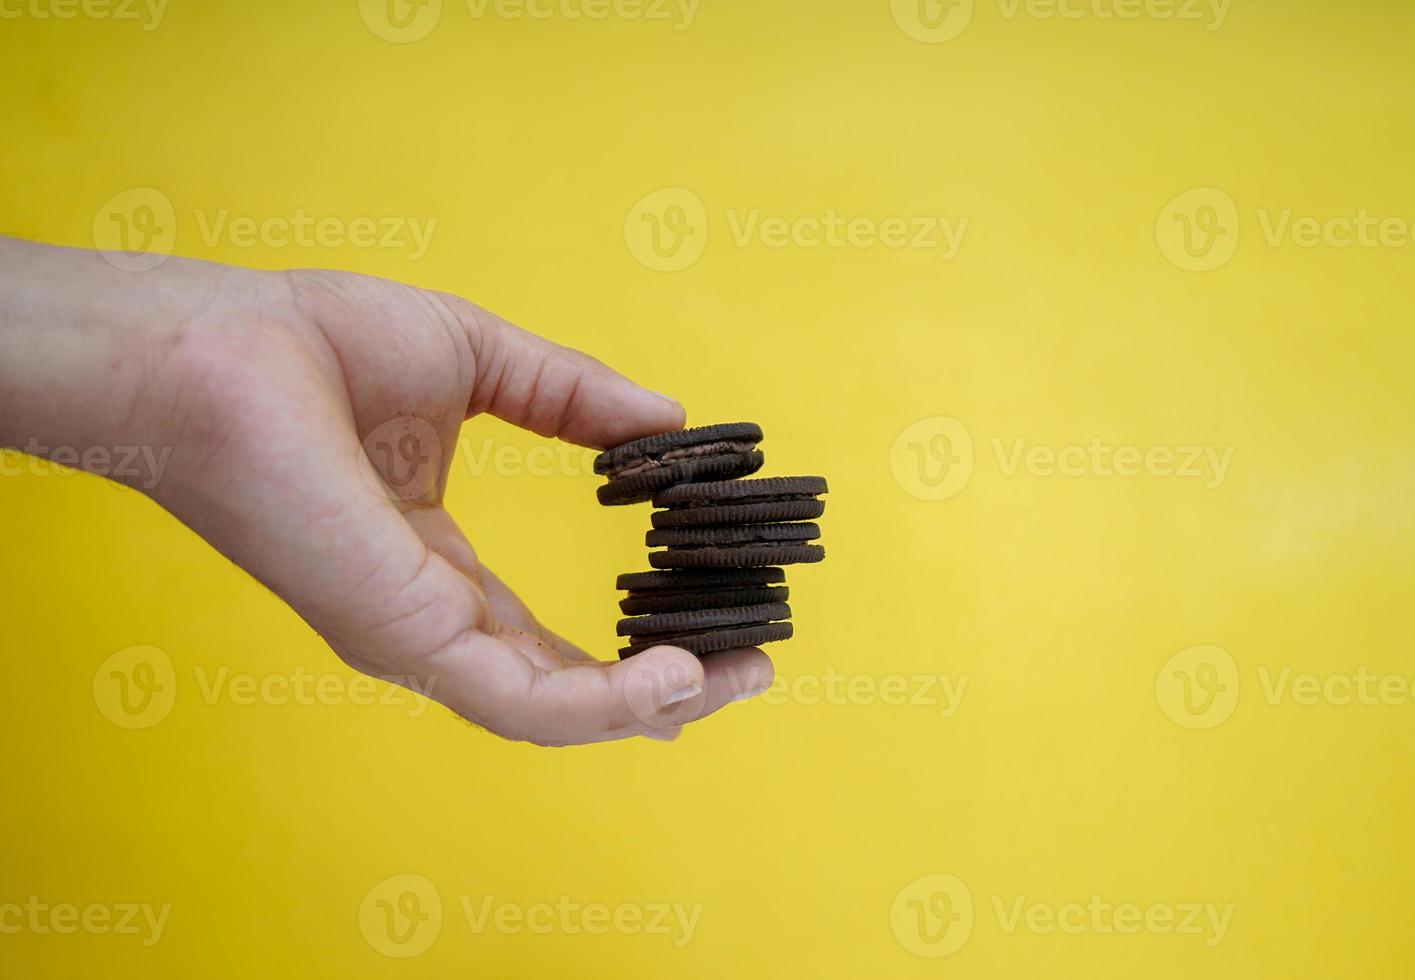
(268, 388)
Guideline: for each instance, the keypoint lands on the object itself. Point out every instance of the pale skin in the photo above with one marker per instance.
(266, 387)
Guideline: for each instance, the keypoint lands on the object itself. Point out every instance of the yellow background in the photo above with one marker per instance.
(793, 822)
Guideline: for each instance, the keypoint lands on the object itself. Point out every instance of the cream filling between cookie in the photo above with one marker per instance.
(685, 452)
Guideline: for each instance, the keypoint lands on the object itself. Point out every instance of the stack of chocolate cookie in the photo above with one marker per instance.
(719, 581)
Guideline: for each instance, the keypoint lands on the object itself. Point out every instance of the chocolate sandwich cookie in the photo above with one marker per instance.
(681, 580)
(688, 589)
(733, 638)
(726, 502)
(735, 547)
(707, 630)
(738, 556)
(721, 537)
(639, 469)
(697, 620)
(763, 512)
(666, 602)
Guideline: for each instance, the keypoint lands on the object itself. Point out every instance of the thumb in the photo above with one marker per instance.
(553, 390)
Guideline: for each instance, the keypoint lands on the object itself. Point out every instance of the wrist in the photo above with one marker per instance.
(80, 341)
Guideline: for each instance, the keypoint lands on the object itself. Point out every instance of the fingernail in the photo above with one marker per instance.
(661, 734)
(683, 694)
(753, 693)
